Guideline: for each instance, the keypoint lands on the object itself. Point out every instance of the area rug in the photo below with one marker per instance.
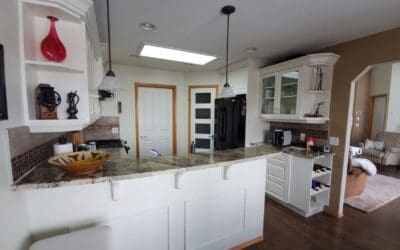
(379, 191)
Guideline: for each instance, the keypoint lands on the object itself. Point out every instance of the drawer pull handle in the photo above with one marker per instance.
(226, 170)
(179, 178)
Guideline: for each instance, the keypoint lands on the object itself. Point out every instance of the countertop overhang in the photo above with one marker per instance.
(121, 167)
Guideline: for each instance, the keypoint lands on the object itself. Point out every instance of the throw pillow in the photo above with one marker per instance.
(369, 144)
(379, 145)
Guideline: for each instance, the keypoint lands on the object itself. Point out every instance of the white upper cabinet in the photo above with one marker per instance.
(293, 91)
(81, 71)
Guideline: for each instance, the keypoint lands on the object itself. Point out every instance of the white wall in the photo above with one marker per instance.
(380, 79)
(255, 127)
(128, 75)
(237, 79)
(13, 206)
(393, 115)
(242, 80)
(201, 77)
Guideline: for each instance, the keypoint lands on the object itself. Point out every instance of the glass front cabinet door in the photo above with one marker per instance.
(268, 95)
(280, 94)
(289, 85)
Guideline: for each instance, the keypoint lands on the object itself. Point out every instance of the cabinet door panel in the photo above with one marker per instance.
(289, 85)
(278, 172)
(278, 191)
(268, 92)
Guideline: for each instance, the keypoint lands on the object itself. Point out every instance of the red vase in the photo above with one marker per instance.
(52, 48)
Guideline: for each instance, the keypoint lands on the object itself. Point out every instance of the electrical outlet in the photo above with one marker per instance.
(115, 130)
(334, 141)
(302, 136)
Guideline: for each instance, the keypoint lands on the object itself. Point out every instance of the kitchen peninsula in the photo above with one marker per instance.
(197, 201)
(202, 201)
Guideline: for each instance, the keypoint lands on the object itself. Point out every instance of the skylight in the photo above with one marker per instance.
(177, 55)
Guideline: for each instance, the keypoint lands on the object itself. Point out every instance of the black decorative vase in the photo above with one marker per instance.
(72, 100)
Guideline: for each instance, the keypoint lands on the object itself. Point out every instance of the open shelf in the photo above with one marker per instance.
(316, 175)
(323, 189)
(55, 66)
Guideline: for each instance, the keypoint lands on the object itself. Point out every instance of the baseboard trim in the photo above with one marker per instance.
(332, 213)
(248, 243)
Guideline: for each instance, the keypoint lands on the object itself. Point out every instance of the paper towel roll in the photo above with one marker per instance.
(355, 151)
(62, 148)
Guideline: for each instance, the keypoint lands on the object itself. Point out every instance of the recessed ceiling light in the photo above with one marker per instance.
(178, 55)
(147, 26)
(251, 50)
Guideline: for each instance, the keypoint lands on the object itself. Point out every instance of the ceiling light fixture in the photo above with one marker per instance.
(227, 91)
(110, 82)
(147, 26)
(178, 55)
(251, 50)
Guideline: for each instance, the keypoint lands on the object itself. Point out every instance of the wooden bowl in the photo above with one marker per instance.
(79, 163)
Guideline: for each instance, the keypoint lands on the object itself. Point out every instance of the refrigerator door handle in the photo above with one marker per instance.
(225, 124)
(221, 125)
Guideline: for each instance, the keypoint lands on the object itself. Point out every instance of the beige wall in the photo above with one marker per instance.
(381, 76)
(361, 108)
(355, 57)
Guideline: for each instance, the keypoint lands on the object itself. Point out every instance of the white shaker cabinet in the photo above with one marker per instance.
(289, 181)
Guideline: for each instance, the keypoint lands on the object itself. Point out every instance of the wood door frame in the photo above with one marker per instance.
(371, 112)
(196, 86)
(160, 86)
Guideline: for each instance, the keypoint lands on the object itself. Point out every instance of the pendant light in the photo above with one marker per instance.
(110, 82)
(227, 91)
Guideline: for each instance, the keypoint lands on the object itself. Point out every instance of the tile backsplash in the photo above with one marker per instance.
(318, 131)
(29, 149)
(105, 128)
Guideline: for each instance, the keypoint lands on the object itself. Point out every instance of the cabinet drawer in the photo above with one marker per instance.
(277, 190)
(278, 172)
(279, 158)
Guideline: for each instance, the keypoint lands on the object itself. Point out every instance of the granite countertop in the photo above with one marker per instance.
(121, 167)
(305, 154)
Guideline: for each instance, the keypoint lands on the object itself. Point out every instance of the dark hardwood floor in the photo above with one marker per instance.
(380, 229)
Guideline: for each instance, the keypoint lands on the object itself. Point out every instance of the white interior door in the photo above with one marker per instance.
(378, 115)
(155, 116)
(202, 118)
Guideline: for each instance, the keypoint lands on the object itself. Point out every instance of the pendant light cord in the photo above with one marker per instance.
(109, 35)
(227, 51)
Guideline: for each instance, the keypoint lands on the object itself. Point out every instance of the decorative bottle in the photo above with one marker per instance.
(52, 48)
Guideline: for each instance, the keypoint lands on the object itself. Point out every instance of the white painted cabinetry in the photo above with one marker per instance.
(288, 89)
(212, 208)
(81, 71)
(289, 181)
(278, 176)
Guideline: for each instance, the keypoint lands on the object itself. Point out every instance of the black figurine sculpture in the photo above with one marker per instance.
(72, 100)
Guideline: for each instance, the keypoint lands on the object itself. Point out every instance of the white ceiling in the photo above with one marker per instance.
(278, 28)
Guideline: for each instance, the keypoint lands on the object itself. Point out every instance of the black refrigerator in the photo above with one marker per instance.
(230, 122)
